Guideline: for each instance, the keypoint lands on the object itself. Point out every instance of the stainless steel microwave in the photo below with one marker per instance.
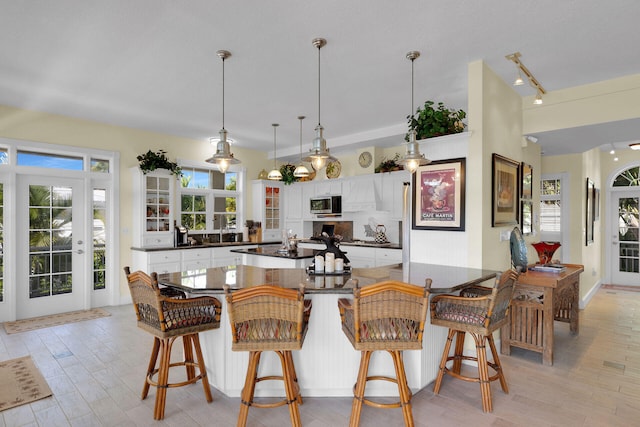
(326, 205)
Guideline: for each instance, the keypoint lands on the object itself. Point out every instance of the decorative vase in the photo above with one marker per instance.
(545, 250)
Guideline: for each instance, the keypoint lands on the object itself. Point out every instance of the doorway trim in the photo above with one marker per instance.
(110, 181)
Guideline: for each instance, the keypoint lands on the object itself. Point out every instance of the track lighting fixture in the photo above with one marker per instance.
(515, 58)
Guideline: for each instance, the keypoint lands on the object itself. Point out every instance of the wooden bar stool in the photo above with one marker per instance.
(269, 318)
(479, 311)
(387, 316)
(167, 319)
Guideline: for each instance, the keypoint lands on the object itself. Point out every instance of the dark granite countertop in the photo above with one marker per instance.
(272, 251)
(203, 245)
(210, 280)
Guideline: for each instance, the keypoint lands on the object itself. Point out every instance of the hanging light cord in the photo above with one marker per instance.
(275, 155)
(412, 59)
(319, 47)
(223, 92)
(301, 118)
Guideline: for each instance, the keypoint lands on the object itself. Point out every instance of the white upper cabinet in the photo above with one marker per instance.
(153, 208)
(392, 192)
(267, 208)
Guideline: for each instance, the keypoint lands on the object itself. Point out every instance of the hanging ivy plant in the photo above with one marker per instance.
(429, 122)
(151, 161)
(287, 173)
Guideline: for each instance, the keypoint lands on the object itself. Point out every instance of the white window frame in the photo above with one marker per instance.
(564, 213)
(210, 194)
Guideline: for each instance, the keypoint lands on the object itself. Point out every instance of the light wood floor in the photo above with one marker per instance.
(96, 370)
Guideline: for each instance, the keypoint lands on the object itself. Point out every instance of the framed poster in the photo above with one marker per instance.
(526, 181)
(504, 194)
(438, 196)
(589, 211)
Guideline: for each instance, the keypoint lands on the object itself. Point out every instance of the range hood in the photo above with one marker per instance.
(361, 195)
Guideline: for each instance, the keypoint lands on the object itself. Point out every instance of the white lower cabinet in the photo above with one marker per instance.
(223, 256)
(196, 259)
(158, 261)
(386, 256)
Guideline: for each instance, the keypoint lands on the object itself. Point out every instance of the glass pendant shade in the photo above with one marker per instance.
(319, 154)
(223, 157)
(413, 159)
(301, 170)
(275, 174)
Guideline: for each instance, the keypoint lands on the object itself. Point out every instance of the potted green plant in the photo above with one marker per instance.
(287, 173)
(151, 161)
(389, 165)
(430, 121)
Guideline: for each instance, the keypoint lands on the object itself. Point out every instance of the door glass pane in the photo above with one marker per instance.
(1, 242)
(628, 225)
(99, 238)
(50, 238)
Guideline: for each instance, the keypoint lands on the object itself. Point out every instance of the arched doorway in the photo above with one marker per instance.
(624, 227)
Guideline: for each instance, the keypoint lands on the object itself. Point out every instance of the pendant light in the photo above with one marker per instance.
(275, 174)
(319, 153)
(301, 170)
(223, 157)
(412, 158)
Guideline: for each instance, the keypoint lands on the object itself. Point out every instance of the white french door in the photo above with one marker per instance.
(51, 252)
(625, 238)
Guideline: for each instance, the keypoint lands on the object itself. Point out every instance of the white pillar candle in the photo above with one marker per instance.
(339, 265)
(319, 264)
(329, 262)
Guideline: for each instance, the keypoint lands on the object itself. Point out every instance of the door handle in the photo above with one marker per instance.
(79, 251)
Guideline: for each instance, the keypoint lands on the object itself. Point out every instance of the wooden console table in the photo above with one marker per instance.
(539, 299)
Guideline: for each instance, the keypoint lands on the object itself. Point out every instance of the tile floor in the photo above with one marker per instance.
(96, 370)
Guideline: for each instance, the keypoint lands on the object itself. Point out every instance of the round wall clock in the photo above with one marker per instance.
(365, 159)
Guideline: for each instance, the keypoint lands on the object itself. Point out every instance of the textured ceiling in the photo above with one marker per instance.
(152, 64)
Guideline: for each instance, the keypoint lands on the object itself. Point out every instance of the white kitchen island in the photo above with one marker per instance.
(327, 365)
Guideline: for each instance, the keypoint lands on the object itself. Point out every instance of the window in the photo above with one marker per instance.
(209, 199)
(553, 213)
(628, 178)
(54, 161)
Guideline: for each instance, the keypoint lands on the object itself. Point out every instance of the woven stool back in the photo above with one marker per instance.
(388, 315)
(477, 309)
(267, 317)
(165, 316)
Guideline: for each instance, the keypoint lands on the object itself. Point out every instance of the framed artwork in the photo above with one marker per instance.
(504, 194)
(526, 181)
(596, 207)
(526, 216)
(589, 211)
(438, 196)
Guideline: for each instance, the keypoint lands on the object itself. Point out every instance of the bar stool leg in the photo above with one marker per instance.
(443, 361)
(195, 338)
(458, 352)
(188, 356)
(290, 387)
(358, 392)
(163, 377)
(483, 372)
(152, 366)
(294, 376)
(498, 364)
(403, 388)
(246, 397)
